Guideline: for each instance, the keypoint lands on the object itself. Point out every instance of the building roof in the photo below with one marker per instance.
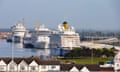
(106, 69)
(28, 60)
(63, 67)
(67, 67)
(6, 60)
(90, 67)
(49, 62)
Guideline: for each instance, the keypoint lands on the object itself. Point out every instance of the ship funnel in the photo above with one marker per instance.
(65, 25)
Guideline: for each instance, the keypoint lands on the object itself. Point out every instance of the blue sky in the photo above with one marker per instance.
(82, 14)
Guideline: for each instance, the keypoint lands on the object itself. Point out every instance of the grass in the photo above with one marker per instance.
(86, 60)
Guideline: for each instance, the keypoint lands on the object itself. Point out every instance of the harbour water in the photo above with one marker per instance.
(19, 51)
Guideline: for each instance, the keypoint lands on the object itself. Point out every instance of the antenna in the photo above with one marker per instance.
(23, 21)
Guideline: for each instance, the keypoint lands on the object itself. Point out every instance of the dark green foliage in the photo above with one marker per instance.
(101, 63)
(87, 52)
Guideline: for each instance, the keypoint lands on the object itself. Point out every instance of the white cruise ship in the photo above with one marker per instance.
(40, 37)
(18, 32)
(65, 37)
(27, 41)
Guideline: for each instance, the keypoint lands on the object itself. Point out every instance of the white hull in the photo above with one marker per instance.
(17, 33)
(18, 39)
(41, 45)
(40, 37)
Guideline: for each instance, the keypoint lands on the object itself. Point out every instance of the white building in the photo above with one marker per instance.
(23, 66)
(31, 64)
(3, 66)
(117, 62)
(35, 64)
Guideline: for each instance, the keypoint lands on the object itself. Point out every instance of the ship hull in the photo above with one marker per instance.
(28, 45)
(41, 45)
(9, 40)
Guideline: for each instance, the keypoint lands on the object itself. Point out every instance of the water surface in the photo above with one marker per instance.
(19, 51)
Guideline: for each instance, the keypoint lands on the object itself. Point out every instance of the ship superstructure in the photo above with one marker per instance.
(17, 33)
(40, 37)
(65, 37)
(27, 40)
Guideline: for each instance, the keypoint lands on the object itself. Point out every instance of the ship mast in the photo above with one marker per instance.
(23, 22)
(37, 26)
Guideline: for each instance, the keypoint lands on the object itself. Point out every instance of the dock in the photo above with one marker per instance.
(4, 35)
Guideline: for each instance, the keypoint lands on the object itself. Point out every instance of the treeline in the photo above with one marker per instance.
(87, 52)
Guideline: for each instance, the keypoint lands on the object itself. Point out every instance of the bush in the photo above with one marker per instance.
(101, 63)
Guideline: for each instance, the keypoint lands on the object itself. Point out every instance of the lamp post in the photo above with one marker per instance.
(92, 51)
(12, 48)
(92, 56)
(12, 54)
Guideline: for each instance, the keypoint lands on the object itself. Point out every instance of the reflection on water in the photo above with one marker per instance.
(19, 45)
(19, 51)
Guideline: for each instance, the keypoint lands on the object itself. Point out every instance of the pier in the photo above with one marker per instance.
(4, 35)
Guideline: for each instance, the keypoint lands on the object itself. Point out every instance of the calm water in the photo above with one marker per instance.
(19, 51)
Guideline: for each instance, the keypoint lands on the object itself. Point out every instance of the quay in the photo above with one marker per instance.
(4, 35)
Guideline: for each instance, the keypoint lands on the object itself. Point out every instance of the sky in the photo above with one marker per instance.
(82, 14)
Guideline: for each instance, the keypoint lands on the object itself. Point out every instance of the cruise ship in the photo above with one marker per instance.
(40, 37)
(65, 37)
(27, 42)
(17, 33)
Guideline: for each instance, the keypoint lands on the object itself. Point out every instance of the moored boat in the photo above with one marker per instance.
(40, 37)
(17, 33)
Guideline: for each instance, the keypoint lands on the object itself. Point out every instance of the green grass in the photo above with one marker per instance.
(87, 60)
